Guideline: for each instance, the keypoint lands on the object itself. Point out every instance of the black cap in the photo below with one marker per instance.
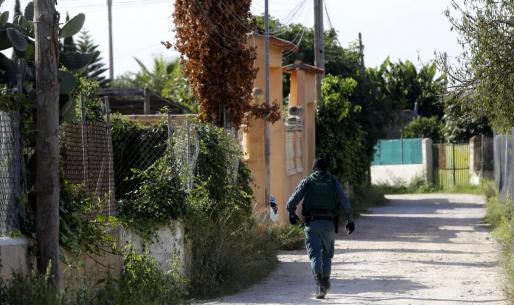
(320, 165)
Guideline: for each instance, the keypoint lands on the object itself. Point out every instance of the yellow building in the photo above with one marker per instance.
(292, 139)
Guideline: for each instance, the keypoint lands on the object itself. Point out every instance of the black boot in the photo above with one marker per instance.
(321, 288)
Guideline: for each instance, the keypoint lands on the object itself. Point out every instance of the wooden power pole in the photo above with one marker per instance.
(267, 148)
(319, 44)
(361, 55)
(47, 141)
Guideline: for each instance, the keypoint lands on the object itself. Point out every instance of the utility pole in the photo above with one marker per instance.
(319, 45)
(361, 55)
(111, 56)
(267, 181)
(47, 141)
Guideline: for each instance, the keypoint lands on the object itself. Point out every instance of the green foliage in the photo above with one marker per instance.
(143, 282)
(420, 186)
(28, 290)
(405, 86)
(500, 214)
(130, 143)
(461, 123)
(82, 230)
(288, 237)
(73, 26)
(159, 198)
(340, 137)
(229, 250)
(485, 70)
(423, 127)
(6, 98)
(19, 36)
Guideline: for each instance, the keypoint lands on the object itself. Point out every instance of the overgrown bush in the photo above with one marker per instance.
(423, 127)
(159, 198)
(142, 282)
(134, 147)
(83, 229)
(229, 250)
(500, 214)
(288, 237)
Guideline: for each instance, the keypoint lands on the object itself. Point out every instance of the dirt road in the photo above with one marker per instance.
(418, 249)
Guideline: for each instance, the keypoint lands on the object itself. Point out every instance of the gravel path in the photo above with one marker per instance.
(417, 249)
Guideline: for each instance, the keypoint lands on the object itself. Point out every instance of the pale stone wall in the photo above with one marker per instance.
(13, 256)
(166, 248)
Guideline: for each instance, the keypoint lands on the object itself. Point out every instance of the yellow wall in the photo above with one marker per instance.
(302, 94)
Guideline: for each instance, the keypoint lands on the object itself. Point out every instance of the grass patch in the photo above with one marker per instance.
(363, 200)
(142, 282)
(421, 187)
(500, 214)
(288, 237)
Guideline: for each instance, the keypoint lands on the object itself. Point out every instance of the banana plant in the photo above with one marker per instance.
(18, 35)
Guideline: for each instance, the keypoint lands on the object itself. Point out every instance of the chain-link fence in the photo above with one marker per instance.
(504, 165)
(184, 147)
(10, 170)
(86, 149)
(136, 149)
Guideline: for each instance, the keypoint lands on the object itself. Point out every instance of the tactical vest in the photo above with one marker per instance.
(320, 194)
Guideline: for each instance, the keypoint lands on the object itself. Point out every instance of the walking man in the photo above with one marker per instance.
(322, 198)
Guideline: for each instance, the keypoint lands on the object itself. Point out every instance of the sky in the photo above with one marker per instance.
(401, 29)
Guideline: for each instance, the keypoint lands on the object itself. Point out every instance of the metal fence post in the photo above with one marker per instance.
(453, 164)
(170, 141)
(84, 139)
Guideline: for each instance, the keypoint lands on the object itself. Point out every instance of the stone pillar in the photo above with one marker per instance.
(428, 160)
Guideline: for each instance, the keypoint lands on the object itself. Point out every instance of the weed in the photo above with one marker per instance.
(288, 237)
(500, 214)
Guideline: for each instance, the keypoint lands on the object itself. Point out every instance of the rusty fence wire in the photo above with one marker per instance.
(86, 151)
(10, 170)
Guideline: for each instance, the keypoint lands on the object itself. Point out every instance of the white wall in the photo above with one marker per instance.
(396, 174)
(169, 245)
(13, 256)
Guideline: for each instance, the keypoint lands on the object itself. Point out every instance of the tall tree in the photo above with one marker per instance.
(96, 69)
(485, 70)
(47, 147)
(211, 37)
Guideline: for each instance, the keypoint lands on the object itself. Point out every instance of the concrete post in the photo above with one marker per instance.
(474, 160)
(428, 160)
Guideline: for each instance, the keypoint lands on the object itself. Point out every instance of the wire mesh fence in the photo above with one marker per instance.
(504, 165)
(134, 150)
(86, 149)
(184, 147)
(10, 170)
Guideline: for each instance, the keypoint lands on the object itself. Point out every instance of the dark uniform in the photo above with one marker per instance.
(322, 196)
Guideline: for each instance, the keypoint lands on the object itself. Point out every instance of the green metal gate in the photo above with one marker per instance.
(451, 164)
